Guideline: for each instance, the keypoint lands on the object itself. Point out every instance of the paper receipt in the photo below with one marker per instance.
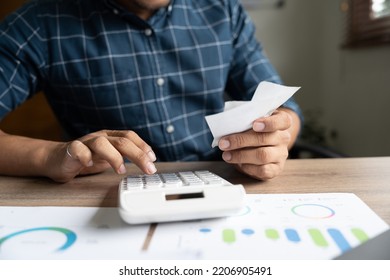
(238, 116)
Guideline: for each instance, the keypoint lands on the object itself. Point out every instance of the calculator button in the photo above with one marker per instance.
(153, 185)
(194, 182)
(171, 184)
(153, 181)
(190, 179)
(171, 180)
(134, 183)
(210, 178)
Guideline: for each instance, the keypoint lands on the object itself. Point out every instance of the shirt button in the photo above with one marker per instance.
(115, 11)
(148, 32)
(170, 129)
(160, 81)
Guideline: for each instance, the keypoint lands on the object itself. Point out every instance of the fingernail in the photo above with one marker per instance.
(152, 156)
(224, 144)
(122, 169)
(258, 126)
(90, 163)
(151, 168)
(227, 156)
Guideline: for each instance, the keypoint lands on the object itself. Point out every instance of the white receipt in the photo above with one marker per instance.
(238, 116)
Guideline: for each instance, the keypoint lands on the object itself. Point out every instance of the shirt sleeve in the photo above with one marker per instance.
(250, 65)
(21, 58)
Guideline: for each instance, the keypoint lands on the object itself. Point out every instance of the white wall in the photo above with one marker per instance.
(350, 87)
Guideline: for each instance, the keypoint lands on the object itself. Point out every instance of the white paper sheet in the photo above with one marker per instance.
(68, 233)
(238, 116)
(276, 226)
(271, 226)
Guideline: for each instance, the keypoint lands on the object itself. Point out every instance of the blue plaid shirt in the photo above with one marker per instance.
(101, 67)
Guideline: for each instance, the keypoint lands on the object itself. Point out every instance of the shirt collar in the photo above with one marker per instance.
(119, 10)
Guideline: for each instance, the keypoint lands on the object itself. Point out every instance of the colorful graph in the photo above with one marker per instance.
(319, 238)
(70, 236)
(313, 211)
(286, 226)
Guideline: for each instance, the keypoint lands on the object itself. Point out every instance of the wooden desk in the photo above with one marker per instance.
(369, 178)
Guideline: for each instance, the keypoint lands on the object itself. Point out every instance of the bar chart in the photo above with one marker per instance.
(289, 226)
(318, 238)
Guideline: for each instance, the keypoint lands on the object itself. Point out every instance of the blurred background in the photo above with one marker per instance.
(345, 91)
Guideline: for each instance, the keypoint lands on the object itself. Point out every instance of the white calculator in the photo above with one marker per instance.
(166, 197)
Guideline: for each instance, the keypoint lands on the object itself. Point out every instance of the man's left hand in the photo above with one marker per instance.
(261, 152)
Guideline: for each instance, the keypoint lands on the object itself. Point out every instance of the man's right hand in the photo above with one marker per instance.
(98, 151)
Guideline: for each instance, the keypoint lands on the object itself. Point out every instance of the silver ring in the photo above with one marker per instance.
(67, 151)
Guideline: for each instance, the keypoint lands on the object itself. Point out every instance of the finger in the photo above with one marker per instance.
(262, 172)
(98, 167)
(142, 156)
(245, 140)
(251, 138)
(78, 151)
(279, 120)
(258, 156)
(103, 149)
(138, 141)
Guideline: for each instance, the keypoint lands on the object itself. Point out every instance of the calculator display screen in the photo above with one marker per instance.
(184, 196)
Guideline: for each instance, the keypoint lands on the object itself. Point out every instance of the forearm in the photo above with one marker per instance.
(22, 156)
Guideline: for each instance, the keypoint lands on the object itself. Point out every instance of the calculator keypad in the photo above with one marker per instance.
(172, 180)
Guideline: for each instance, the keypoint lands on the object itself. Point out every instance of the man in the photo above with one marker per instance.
(134, 79)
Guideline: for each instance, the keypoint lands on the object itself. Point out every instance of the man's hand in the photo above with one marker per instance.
(98, 151)
(262, 151)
